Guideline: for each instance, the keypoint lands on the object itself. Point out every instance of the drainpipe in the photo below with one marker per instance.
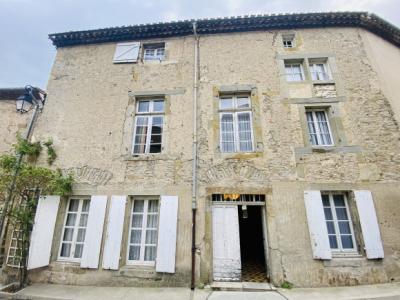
(194, 166)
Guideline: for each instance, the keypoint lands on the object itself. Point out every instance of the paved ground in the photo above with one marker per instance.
(63, 292)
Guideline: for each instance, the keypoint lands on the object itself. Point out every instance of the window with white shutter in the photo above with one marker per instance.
(126, 52)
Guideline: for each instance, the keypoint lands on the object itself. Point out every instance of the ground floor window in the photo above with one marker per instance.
(142, 244)
(74, 231)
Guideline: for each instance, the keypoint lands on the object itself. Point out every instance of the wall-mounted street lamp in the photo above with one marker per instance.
(28, 99)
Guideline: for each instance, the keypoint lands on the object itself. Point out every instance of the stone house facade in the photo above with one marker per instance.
(280, 133)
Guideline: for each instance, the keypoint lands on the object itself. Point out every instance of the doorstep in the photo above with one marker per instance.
(242, 286)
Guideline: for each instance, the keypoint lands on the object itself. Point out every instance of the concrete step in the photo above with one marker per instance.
(242, 286)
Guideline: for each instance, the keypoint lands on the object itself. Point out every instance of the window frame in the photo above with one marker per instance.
(235, 111)
(150, 114)
(313, 110)
(291, 64)
(312, 63)
(340, 249)
(145, 213)
(156, 47)
(288, 38)
(76, 227)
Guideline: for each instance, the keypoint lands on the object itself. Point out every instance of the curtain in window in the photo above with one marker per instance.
(325, 135)
(141, 134)
(244, 130)
(227, 133)
(311, 128)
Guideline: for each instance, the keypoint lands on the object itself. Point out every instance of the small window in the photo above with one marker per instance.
(14, 256)
(338, 222)
(318, 127)
(294, 71)
(288, 40)
(143, 229)
(149, 124)
(319, 70)
(126, 52)
(74, 231)
(154, 51)
(236, 132)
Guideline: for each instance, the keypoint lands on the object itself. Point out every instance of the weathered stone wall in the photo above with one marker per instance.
(90, 113)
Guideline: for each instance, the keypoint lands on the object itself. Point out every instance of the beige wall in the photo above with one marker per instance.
(91, 114)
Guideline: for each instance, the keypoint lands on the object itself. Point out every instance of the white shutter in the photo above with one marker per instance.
(369, 224)
(166, 245)
(126, 52)
(94, 232)
(42, 232)
(115, 224)
(226, 243)
(317, 225)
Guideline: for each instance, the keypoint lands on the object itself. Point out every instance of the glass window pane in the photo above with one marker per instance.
(71, 218)
(152, 221)
(243, 102)
(81, 235)
(155, 148)
(153, 206)
(339, 200)
(226, 103)
(138, 206)
(136, 236)
(134, 252)
(341, 213)
(73, 205)
(137, 221)
(68, 234)
(331, 227)
(333, 242)
(78, 250)
(344, 227)
(143, 106)
(158, 106)
(151, 236)
(244, 128)
(65, 250)
(325, 200)
(347, 242)
(150, 253)
(328, 213)
(85, 205)
(83, 220)
(227, 133)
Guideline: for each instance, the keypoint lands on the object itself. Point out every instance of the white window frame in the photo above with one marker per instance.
(155, 56)
(14, 251)
(76, 227)
(312, 65)
(235, 111)
(291, 64)
(143, 244)
(340, 250)
(288, 38)
(150, 115)
(317, 131)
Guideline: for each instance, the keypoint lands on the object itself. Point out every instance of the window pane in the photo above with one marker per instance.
(153, 206)
(226, 103)
(333, 242)
(152, 221)
(137, 221)
(328, 213)
(83, 220)
(150, 253)
(81, 235)
(71, 218)
(158, 106)
(151, 236)
(347, 242)
(73, 205)
(339, 200)
(325, 200)
(243, 102)
(331, 227)
(138, 205)
(155, 148)
(344, 227)
(65, 250)
(85, 205)
(136, 236)
(143, 106)
(341, 213)
(68, 234)
(134, 252)
(78, 250)
(244, 127)
(288, 69)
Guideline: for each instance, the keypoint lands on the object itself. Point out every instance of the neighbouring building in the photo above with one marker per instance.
(281, 133)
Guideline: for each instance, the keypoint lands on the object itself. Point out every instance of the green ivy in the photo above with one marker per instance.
(51, 153)
(24, 147)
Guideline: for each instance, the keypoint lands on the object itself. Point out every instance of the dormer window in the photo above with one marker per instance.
(154, 51)
(288, 40)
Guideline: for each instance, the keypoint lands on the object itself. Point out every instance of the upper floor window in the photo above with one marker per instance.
(149, 123)
(318, 127)
(294, 71)
(74, 232)
(338, 222)
(288, 40)
(319, 70)
(154, 51)
(236, 124)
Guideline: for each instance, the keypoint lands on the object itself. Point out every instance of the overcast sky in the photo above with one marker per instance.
(26, 54)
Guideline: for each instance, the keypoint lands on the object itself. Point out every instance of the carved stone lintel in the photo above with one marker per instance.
(86, 174)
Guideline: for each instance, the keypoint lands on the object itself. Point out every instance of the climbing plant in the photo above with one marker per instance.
(22, 181)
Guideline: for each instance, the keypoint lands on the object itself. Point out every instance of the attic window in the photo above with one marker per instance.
(288, 40)
(126, 52)
(154, 51)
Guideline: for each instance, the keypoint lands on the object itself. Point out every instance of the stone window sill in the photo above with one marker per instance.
(302, 151)
(148, 157)
(240, 155)
(316, 82)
